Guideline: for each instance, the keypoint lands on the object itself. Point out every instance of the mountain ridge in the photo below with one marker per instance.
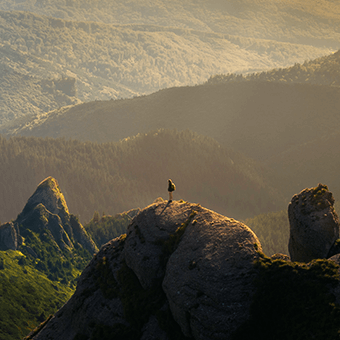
(296, 119)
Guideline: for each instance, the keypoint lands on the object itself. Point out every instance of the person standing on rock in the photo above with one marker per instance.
(171, 188)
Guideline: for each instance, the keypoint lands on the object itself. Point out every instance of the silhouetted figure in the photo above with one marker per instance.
(171, 188)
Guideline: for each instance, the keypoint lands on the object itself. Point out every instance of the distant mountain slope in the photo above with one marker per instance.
(132, 56)
(116, 177)
(245, 116)
(321, 71)
(309, 22)
(266, 121)
(24, 94)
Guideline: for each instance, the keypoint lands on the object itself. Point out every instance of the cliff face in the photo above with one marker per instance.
(180, 271)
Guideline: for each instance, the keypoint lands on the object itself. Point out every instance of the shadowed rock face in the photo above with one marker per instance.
(314, 224)
(9, 237)
(178, 262)
(209, 278)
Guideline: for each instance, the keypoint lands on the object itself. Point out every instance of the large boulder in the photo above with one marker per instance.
(181, 271)
(314, 224)
(209, 278)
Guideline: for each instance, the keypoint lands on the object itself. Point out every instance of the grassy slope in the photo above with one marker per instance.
(27, 296)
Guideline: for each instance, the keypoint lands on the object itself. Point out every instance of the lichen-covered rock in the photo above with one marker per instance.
(209, 277)
(279, 256)
(314, 224)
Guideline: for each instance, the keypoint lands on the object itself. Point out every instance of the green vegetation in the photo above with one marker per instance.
(293, 301)
(64, 267)
(116, 177)
(27, 296)
(313, 21)
(105, 228)
(272, 229)
(321, 71)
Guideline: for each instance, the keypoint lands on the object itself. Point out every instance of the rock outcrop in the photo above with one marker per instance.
(50, 196)
(9, 237)
(46, 210)
(314, 224)
(180, 271)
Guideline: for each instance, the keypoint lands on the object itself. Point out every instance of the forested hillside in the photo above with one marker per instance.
(292, 128)
(314, 22)
(116, 177)
(117, 49)
(321, 71)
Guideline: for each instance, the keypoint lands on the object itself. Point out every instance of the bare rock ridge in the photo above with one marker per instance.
(181, 271)
(47, 210)
(314, 224)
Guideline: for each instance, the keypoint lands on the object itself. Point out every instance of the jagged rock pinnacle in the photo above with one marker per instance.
(47, 209)
(48, 193)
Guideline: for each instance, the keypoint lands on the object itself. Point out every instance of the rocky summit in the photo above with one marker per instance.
(46, 212)
(314, 224)
(181, 271)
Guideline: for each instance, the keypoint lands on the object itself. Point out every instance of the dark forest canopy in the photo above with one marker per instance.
(115, 177)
